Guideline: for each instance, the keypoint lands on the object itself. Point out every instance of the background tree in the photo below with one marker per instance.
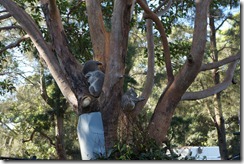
(41, 125)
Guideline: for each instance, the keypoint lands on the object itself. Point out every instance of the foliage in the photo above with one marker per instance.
(140, 146)
(6, 86)
(33, 126)
(151, 151)
(31, 120)
(6, 66)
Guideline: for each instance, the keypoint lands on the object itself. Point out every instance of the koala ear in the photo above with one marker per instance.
(99, 63)
(91, 65)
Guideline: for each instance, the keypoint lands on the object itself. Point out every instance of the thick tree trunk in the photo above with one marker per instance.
(110, 102)
(168, 101)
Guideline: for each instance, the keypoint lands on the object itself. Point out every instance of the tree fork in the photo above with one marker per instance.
(160, 121)
(115, 69)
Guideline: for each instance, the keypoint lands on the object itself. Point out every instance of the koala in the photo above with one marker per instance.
(129, 100)
(90, 65)
(94, 77)
(95, 80)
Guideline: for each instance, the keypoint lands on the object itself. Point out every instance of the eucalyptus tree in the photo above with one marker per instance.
(109, 33)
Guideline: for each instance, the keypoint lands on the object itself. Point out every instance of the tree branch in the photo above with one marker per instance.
(10, 27)
(21, 74)
(160, 6)
(221, 62)
(3, 11)
(15, 44)
(99, 35)
(222, 22)
(115, 68)
(31, 137)
(43, 89)
(67, 61)
(5, 16)
(149, 14)
(132, 8)
(29, 26)
(215, 89)
(164, 110)
(196, 53)
(150, 72)
(165, 9)
(43, 134)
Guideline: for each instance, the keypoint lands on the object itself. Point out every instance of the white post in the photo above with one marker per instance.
(91, 135)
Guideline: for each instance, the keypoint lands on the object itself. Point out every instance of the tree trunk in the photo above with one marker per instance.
(99, 35)
(219, 121)
(110, 101)
(168, 101)
(60, 146)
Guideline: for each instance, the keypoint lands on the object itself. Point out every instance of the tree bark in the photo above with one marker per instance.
(69, 65)
(148, 86)
(113, 82)
(60, 145)
(219, 121)
(169, 99)
(99, 35)
(151, 15)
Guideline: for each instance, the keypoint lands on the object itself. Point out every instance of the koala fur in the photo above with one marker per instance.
(90, 65)
(129, 100)
(95, 80)
(94, 77)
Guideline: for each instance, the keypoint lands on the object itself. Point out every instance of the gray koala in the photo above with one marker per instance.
(94, 77)
(129, 100)
(90, 65)
(95, 80)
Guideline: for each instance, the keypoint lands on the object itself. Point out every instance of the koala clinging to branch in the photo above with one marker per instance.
(129, 100)
(94, 77)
